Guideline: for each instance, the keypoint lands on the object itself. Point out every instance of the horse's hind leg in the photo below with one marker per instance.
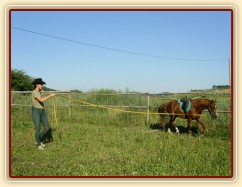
(189, 125)
(171, 124)
(162, 120)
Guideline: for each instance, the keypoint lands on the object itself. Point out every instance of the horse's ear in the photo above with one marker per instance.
(212, 101)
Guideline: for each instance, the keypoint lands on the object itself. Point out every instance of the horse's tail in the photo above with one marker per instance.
(162, 110)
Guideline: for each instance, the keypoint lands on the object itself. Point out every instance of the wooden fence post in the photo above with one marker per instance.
(148, 109)
(69, 104)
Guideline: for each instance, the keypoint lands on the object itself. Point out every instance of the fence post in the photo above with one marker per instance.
(69, 104)
(148, 109)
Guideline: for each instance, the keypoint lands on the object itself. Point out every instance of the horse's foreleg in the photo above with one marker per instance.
(203, 125)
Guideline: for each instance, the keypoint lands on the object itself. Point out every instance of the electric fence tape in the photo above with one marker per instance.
(118, 110)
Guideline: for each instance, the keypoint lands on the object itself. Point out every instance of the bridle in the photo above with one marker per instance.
(213, 114)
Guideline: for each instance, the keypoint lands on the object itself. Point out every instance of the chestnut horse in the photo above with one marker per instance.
(197, 107)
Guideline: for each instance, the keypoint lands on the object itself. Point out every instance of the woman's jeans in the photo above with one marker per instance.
(39, 116)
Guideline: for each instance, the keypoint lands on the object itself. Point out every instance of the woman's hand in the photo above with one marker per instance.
(52, 95)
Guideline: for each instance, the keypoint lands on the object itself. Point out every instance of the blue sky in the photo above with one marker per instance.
(165, 38)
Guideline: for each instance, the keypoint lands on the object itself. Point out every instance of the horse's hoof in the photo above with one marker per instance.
(203, 133)
(169, 132)
(177, 130)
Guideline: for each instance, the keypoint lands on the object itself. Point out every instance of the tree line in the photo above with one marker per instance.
(221, 86)
(22, 82)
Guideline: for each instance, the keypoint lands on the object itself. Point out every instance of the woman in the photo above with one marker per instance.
(38, 112)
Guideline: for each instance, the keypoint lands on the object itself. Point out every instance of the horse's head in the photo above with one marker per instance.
(212, 109)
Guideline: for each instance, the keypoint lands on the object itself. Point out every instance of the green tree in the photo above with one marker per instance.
(21, 81)
(221, 86)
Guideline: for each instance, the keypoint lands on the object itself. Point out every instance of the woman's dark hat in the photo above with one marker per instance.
(38, 81)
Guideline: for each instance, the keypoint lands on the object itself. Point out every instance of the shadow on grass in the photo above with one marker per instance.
(183, 130)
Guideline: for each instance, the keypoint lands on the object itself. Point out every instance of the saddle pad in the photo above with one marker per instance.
(188, 108)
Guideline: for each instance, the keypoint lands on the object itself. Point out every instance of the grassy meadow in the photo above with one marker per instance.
(99, 142)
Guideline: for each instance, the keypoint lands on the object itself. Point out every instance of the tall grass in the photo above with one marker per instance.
(100, 142)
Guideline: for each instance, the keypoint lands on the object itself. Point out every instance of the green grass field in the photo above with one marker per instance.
(100, 142)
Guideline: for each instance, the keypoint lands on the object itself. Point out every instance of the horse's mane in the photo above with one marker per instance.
(201, 102)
